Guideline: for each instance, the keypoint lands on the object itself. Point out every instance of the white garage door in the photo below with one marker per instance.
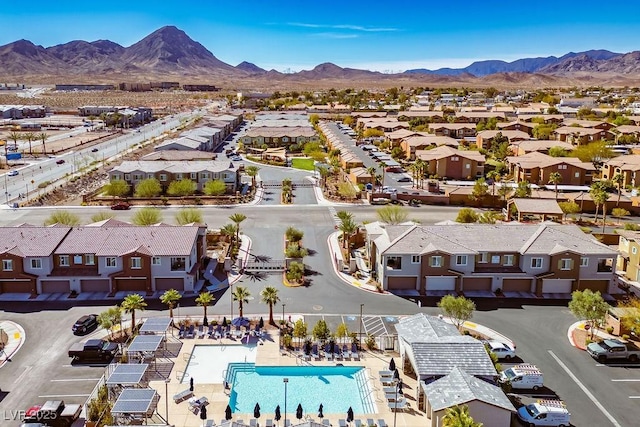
(441, 283)
(556, 286)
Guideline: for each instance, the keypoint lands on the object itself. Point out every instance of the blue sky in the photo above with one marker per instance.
(377, 35)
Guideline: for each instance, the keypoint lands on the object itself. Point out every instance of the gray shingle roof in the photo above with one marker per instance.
(31, 241)
(440, 357)
(423, 328)
(150, 166)
(459, 388)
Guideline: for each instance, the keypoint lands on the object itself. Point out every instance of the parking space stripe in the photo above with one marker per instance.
(46, 396)
(634, 397)
(75, 379)
(585, 390)
(627, 380)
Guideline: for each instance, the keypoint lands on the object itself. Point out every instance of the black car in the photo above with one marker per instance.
(85, 324)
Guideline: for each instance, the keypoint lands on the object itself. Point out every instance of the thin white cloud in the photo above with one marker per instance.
(330, 35)
(343, 27)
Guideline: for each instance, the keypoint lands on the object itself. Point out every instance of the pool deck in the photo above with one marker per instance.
(269, 354)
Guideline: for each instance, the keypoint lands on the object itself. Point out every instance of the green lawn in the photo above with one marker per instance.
(304, 164)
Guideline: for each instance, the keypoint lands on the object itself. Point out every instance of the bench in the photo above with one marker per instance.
(182, 396)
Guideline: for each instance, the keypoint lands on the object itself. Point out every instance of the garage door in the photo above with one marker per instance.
(15, 286)
(516, 285)
(176, 283)
(95, 285)
(476, 283)
(556, 286)
(401, 283)
(441, 283)
(55, 286)
(131, 284)
(595, 285)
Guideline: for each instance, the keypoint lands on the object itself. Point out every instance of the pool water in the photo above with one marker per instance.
(208, 363)
(335, 387)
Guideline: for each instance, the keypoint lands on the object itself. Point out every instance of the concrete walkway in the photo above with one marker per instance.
(15, 339)
(578, 332)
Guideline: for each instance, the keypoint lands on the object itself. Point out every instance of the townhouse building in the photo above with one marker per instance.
(628, 262)
(580, 135)
(410, 145)
(628, 166)
(445, 161)
(454, 130)
(536, 168)
(108, 256)
(199, 171)
(478, 116)
(279, 136)
(544, 258)
(485, 138)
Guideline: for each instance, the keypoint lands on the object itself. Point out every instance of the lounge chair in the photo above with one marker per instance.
(314, 352)
(327, 352)
(218, 333)
(381, 423)
(357, 423)
(337, 353)
(370, 422)
(209, 423)
(269, 423)
(200, 331)
(210, 331)
(253, 422)
(326, 422)
(182, 396)
(190, 333)
(354, 352)
(181, 331)
(345, 352)
(385, 374)
(342, 423)
(400, 404)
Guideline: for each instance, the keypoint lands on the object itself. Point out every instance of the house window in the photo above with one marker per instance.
(64, 260)
(115, 177)
(178, 263)
(561, 167)
(577, 175)
(193, 175)
(204, 175)
(508, 260)
(150, 176)
(110, 262)
(7, 265)
(178, 176)
(36, 263)
(467, 166)
(137, 177)
(90, 259)
(483, 258)
(495, 259)
(415, 259)
(394, 262)
(536, 262)
(163, 177)
(156, 260)
(127, 177)
(605, 265)
(461, 260)
(454, 158)
(566, 264)
(285, 139)
(436, 261)
(77, 259)
(136, 262)
(634, 250)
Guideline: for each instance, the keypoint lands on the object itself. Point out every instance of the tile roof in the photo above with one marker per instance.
(541, 144)
(117, 241)
(509, 134)
(173, 155)
(445, 151)
(128, 166)
(416, 141)
(458, 388)
(536, 159)
(628, 161)
(32, 241)
(570, 130)
(184, 141)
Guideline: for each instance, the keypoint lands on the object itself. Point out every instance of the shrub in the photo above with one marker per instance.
(625, 337)
(609, 329)
(370, 342)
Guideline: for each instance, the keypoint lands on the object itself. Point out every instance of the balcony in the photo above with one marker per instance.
(496, 268)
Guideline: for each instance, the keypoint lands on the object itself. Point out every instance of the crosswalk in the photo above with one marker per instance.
(334, 215)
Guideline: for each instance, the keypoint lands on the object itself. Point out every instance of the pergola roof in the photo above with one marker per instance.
(127, 374)
(537, 206)
(135, 401)
(156, 325)
(145, 343)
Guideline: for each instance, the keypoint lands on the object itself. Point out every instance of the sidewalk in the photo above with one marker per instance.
(578, 333)
(15, 338)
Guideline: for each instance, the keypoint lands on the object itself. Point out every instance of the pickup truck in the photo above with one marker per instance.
(53, 413)
(613, 349)
(93, 350)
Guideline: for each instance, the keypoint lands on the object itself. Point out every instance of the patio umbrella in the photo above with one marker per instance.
(256, 411)
(224, 321)
(332, 347)
(227, 413)
(278, 415)
(203, 413)
(350, 414)
(400, 387)
(392, 365)
(320, 414)
(261, 323)
(299, 411)
(191, 384)
(396, 374)
(240, 321)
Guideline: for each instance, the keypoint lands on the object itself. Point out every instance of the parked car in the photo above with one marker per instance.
(613, 349)
(93, 350)
(236, 158)
(13, 173)
(94, 150)
(545, 413)
(85, 324)
(502, 350)
(60, 161)
(121, 206)
(405, 179)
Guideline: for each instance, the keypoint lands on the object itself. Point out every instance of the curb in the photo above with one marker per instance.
(13, 329)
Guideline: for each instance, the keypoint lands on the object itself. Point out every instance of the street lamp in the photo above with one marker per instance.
(166, 399)
(395, 403)
(285, 381)
(360, 334)
(283, 314)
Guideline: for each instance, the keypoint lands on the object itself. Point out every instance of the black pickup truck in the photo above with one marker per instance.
(93, 350)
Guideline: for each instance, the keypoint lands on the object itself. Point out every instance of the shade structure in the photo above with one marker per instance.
(392, 365)
(299, 411)
(396, 374)
(278, 415)
(350, 414)
(256, 411)
(203, 412)
(127, 374)
(191, 384)
(135, 401)
(240, 321)
(145, 343)
(155, 325)
(320, 413)
(400, 387)
(227, 413)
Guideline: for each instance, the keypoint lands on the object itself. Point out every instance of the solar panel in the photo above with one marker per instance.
(145, 343)
(134, 401)
(127, 374)
(156, 324)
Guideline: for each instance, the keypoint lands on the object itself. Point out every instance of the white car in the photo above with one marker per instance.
(502, 350)
(13, 173)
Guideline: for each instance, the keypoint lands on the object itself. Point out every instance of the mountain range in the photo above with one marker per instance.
(169, 53)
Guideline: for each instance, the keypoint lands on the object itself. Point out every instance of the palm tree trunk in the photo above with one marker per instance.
(241, 309)
(604, 216)
(619, 191)
(133, 321)
(271, 321)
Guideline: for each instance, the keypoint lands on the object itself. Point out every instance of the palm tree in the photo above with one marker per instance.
(494, 176)
(371, 170)
(618, 179)
(270, 297)
(324, 174)
(15, 137)
(43, 137)
(109, 318)
(241, 294)
(204, 300)
(420, 167)
(252, 171)
(383, 165)
(458, 416)
(130, 304)
(348, 226)
(555, 178)
(170, 298)
(30, 137)
(237, 218)
(229, 230)
(598, 195)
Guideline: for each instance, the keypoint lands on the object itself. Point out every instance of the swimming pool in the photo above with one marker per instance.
(336, 387)
(207, 363)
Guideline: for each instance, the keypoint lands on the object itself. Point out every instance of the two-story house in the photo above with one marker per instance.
(628, 166)
(628, 262)
(452, 163)
(454, 130)
(485, 138)
(536, 168)
(413, 143)
(198, 171)
(545, 258)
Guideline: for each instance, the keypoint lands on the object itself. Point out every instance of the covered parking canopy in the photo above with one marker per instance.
(543, 208)
(135, 403)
